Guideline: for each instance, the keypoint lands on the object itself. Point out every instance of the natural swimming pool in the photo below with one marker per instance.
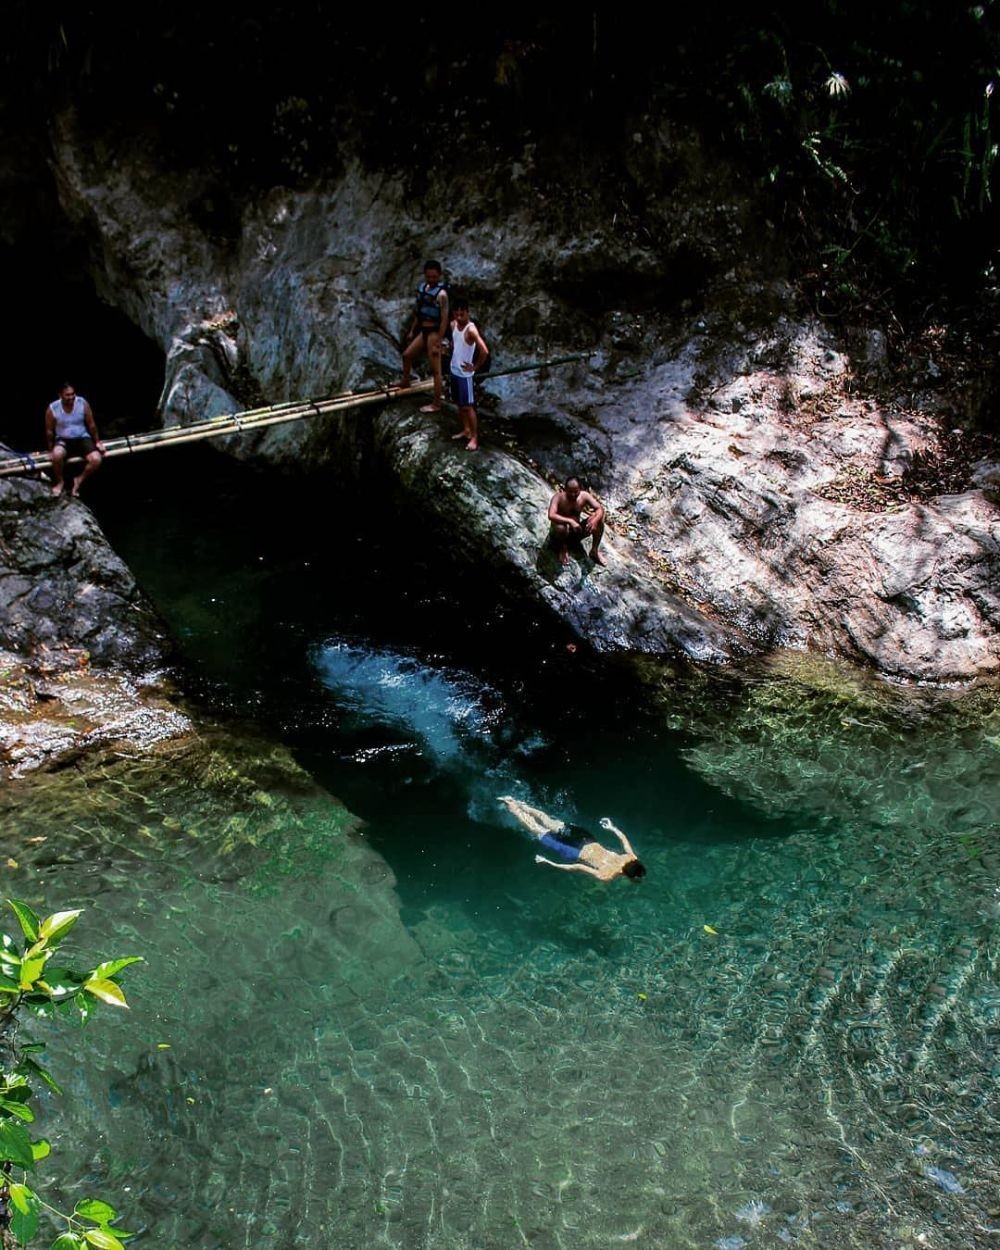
(491, 1054)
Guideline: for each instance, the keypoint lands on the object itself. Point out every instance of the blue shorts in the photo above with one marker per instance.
(462, 390)
(566, 842)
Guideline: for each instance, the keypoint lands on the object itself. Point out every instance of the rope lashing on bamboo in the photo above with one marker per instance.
(254, 419)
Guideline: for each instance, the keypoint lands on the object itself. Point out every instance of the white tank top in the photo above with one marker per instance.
(462, 353)
(70, 424)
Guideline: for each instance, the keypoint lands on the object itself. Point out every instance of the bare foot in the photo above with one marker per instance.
(462, 435)
(74, 493)
(431, 408)
(57, 490)
(472, 445)
(564, 555)
(598, 559)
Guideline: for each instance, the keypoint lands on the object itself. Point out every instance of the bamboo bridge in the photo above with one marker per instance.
(253, 419)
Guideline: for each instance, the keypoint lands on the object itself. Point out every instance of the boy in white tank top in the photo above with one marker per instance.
(468, 352)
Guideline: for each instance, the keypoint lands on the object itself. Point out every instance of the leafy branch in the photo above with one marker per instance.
(30, 983)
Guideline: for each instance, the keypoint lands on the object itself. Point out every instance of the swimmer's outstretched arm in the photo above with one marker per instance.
(540, 859)
(606, 824)
(533, 818)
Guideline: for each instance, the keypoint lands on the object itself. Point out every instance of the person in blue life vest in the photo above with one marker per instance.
(70, 430)
(468, 351)
(578, 851)
(426, 331)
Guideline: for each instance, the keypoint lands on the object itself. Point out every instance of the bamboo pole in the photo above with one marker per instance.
(253, 419)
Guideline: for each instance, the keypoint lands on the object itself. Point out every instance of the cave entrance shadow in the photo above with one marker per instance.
(95, 346)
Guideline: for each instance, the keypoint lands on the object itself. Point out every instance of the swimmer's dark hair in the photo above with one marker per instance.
(460, 303)
(574, 478)
(634, 869)
(433, 264)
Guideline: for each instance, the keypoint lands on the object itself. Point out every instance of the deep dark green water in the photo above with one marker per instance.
(486, 1053)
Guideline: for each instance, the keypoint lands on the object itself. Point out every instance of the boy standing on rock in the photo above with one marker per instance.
(468, 352)
(429, 320)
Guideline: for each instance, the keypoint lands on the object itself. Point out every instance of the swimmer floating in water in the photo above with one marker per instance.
(576, 846)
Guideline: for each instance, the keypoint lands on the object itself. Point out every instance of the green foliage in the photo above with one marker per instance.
(874, 130)
(29, 984)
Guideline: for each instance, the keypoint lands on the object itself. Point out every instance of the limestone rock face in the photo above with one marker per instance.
(732, 497)
(493, 508)
(724, 430)
(81, 653)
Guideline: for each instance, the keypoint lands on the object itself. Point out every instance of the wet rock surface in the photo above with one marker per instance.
(726, 430)
(492, 508)
(60, 582)
(81, 653)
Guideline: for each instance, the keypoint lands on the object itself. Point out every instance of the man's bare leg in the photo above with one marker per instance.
(595, 555)
(58, 469)
(469, 429)
(560, 540)
(464, 432)
(434, 356)
(533, 818)
(91, 465)
(413, 350)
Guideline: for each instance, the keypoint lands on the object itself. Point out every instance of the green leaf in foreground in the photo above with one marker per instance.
(113, 967)
(15, 1144)
(31, 970)
(68, 1241)
(24, 1217)
(26, 918)
(96, 1210)
(60, 982)
(107, 992)
(102, 1239)
(56, 926)
(44, 1074)
(17, 1109)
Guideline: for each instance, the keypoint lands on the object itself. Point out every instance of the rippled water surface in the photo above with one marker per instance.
(388, 1028)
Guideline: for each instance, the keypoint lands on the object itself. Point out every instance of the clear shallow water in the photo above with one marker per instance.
(488, 1054)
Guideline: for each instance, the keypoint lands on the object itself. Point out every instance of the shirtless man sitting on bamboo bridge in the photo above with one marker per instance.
(70, 430)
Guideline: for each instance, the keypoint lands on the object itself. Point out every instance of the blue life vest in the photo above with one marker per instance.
(428, 308)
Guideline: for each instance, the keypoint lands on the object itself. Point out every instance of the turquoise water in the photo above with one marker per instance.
(402, 1033)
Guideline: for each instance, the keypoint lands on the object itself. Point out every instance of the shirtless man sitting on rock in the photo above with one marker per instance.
(566, 514)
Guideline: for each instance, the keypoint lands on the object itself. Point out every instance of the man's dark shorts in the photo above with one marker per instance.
(566, 842)
(463, 393)
(77, 446)
(556, 538)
